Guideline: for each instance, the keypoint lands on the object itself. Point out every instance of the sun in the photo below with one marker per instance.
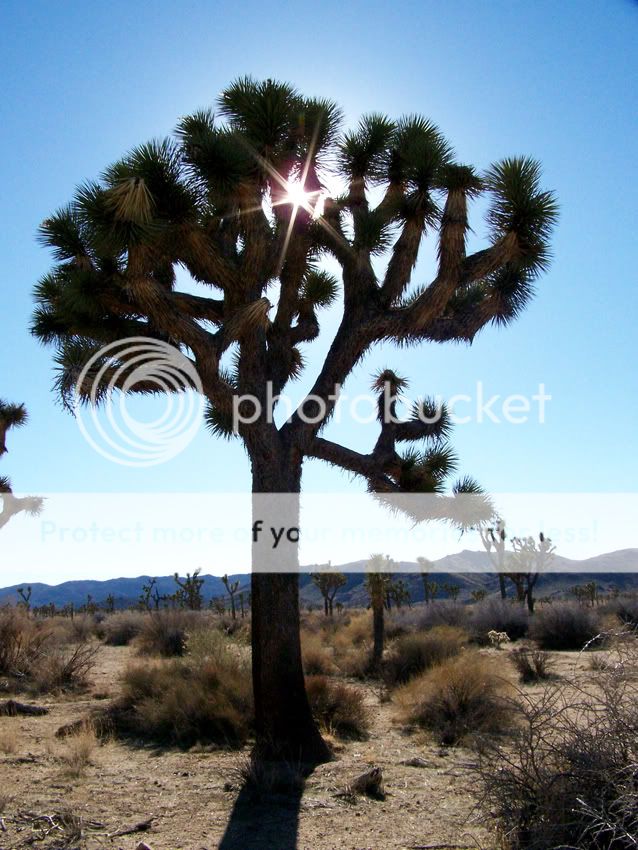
(297, 195)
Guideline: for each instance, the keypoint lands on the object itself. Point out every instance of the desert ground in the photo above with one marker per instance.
(86, 792)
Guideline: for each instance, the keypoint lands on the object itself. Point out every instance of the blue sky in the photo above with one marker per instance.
(84, 82)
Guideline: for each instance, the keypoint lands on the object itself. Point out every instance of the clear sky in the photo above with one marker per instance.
(84, 82)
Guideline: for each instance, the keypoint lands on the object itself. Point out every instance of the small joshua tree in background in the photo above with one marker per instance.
(189, 592)
(329, 583)
(531, 559)
(378, 580)
(232, 587)
(25, 596)
(494, 541)
(426, 566)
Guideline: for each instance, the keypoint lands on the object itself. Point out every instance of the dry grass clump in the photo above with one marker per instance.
(569, 779)
(413, 654)
(9, 736)
(120, 628)
(79, 750)
(203, 698)
(564, 626)
(352, 645)
(164, 633)
(339, 708)
(532, 665)
(500, 616)
(317, 655)
(265, 781)
(458, 700)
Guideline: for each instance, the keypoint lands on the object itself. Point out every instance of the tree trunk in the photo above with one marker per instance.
(285, 728)
(378, 631)
(501, 584)
(325, 605)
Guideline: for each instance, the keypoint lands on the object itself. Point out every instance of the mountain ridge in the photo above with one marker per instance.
(466, 568)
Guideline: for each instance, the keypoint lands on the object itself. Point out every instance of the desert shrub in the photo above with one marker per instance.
(352, 645)
(120, 628)
(22, 642)
(339, 708)
(62, 668)
(164, 632)
(500, 616)
(564, 626)
(184, 701)
(458, 700)
(532, 665)
(569, 779)
(444, 613)
(412, 654)
(626, 610)
(318, 658)
(82, 628)
(34, 659)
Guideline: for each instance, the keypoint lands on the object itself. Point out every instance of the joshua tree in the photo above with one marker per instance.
(189, 592)
(25, 596)
(232, 587)
(531, 559)
(242, 205)
(328, 583)
(425, 566)
(378, 580)
(494, 541)
(13, 416)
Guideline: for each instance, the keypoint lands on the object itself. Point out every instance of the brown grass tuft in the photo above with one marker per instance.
(458, 700)
(339, 708)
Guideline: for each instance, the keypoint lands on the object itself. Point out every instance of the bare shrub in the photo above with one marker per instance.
(569, 779)
(121, 628)
(499, 616)
(564, 626)
(532, 665)
(63, 668)
(444, 613)
(412, 654)
(460, 699)
(206, 700)
(339, 708)
(164, 632)
(22, 642)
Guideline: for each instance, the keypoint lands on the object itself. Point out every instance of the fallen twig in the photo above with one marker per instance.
(142, 826)
(12, 708)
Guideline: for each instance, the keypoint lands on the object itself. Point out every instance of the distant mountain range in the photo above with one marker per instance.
(613, 570)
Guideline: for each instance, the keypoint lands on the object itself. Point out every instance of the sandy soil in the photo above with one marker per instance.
(194, 796)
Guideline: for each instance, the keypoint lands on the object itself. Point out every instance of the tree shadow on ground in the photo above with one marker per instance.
(263, 823)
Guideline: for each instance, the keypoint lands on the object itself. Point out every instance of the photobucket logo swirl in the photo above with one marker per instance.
(111, 381)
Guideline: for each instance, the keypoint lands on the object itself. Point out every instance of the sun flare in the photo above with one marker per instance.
(297, 195)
